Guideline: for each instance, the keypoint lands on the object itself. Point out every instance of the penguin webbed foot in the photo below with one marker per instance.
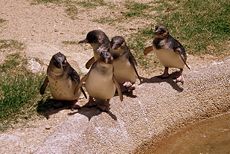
(128, 86)
(104, 106)
(180, 79)
(165, 74)
(75, 107)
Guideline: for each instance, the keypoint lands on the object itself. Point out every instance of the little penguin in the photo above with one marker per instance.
(100, 82)
(124, 62)
(169, 51)
(62, 79)
(97, 39)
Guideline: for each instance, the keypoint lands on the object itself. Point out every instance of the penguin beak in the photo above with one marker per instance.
(83, 41)
(114, 47)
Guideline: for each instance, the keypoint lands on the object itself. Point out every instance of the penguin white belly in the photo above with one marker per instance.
(124, 71)
(169, 58)
(100, 86)
(63, 89)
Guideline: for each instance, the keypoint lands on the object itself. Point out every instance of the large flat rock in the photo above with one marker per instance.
(160, 107)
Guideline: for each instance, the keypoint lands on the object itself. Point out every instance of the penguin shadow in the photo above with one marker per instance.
(48, 107)
(127, 93)
(90, 110)
(170, 80)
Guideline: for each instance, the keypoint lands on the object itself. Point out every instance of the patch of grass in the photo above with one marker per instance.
(137, 43)
(11, 62)
(70, 42)
(107, 20)
(2, 20)
(91, 3)
(11, 44)
(198, 24)
(72, 5)
(18, 90)
(48, 1)
(72, 11)
(135, 9)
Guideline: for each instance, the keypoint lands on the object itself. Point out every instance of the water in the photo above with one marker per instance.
(210, 136)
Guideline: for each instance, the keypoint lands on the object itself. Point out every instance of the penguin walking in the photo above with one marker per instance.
(169, 51)
(99, 41)
(124, 63)
(62, 79)
(100, 82)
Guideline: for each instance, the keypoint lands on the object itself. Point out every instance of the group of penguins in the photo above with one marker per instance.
(112, 69)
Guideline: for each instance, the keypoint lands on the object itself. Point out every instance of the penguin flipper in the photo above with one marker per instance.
(182, 55)
(44, 85)
(148, 50)
(75, 77)
(82, 90)
(83, 79)
(90, 62)
(118, 88)
(133, 62)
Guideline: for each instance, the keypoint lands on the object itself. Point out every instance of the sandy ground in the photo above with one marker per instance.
(161, 106)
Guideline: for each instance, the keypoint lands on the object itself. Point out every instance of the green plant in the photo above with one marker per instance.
(18, 90)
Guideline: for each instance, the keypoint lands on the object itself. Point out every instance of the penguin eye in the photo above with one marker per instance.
(156, 28)
(65, 61)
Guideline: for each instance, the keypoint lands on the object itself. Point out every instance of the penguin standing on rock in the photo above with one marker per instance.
(99, 41)
(100, 82)
(169, 51)
(62, 79)
(124, 63)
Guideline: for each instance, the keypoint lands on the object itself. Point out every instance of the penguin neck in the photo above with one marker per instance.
(159, 42)
(55, 72)
(119, 52)
(95, 46)
(104, 68)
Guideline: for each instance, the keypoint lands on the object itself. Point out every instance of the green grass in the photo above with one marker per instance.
(70, 42)
(198, 24)
(137, 42)
(135, 9)
(12, 61)
(72, 11)
(6, 45)
(91, 3)
(72, 5)
(48, 1)
(19, 90)
(109, 20)
(203, 27)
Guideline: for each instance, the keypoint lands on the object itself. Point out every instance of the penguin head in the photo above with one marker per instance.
(105, 56)
(97, 37)
(117, 45)
(161, 31)
(59, 60)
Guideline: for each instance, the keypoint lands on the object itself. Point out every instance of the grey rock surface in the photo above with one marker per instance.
(159, 106)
